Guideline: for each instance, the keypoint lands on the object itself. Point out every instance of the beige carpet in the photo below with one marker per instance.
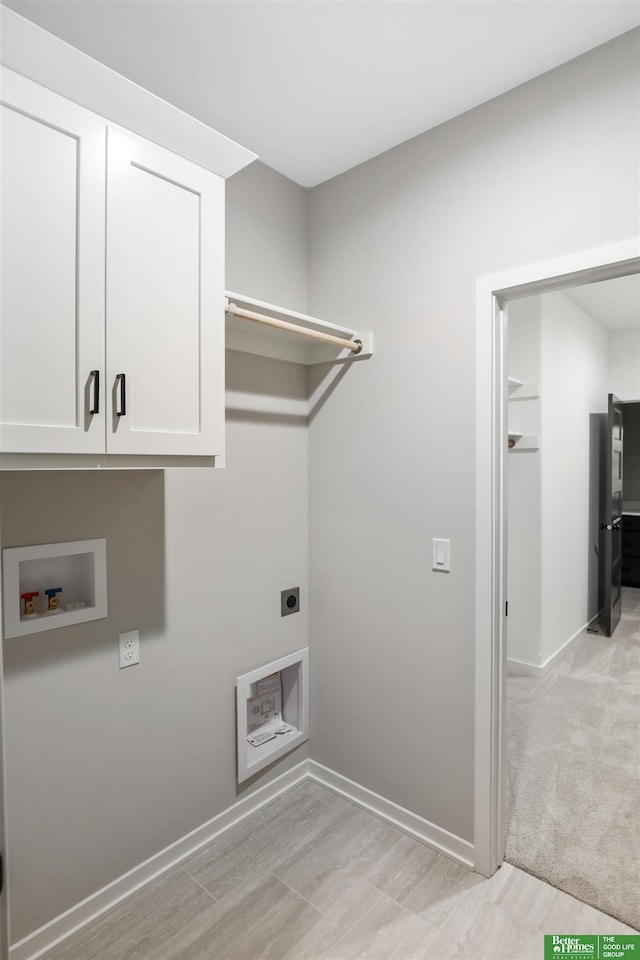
(573, 771)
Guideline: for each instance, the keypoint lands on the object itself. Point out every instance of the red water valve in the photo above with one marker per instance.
(29, 602)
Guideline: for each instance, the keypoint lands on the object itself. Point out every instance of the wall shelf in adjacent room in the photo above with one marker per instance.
(293, 673)
(525, 417)
(523, 442)
(75, 572)
(518, 390)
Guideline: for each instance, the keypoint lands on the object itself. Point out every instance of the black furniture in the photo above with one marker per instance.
(630, 551)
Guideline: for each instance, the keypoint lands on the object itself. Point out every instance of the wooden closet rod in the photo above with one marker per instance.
(233, 311)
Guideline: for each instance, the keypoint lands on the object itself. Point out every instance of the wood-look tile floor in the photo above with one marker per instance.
(313, 876)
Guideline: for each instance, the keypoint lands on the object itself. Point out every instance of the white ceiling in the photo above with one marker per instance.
(317, 86)
(613, 303)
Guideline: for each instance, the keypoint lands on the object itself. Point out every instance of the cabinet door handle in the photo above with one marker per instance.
(121, 405)
(95, 405)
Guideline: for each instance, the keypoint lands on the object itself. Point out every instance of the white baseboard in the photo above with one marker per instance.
(521, 668)
(61, 927)
(451, 846)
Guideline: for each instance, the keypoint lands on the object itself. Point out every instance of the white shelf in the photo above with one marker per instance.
(249, 337)
(294, 675)
(78, 567)
(528, 417)
(518, 390)
(523, 442)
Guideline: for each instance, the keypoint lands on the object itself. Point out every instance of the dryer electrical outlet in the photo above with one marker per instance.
(290, 601)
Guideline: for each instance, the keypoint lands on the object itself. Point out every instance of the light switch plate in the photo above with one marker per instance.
(442, 555)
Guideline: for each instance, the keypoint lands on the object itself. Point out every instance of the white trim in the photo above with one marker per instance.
(4, 895)
(82, 461)
(618, 259)
(294, 677)
(49, 61)
(522, 668)
(93, 579)
(451, 846)
(90, 909)
(489, 596)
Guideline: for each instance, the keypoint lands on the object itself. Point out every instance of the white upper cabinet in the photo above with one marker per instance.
(52, 261)
(165, 302)
(112, 323)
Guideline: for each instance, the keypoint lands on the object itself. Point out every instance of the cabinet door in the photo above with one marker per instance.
(165, 302)
(52, 272)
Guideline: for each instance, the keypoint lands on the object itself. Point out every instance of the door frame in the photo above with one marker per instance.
(493, 293)
(4, 893)
(613, 548)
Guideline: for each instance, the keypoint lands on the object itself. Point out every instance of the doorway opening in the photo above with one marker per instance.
(573, 365)
(494, 293)
(572, 709)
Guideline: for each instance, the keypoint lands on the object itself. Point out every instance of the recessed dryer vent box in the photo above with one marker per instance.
(74, 573)
(272, 707)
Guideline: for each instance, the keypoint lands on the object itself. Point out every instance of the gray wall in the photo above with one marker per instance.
(267, 237)
(397, 245)
(105, 766)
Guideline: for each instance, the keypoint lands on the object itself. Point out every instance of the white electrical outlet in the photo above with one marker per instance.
(129, 648)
